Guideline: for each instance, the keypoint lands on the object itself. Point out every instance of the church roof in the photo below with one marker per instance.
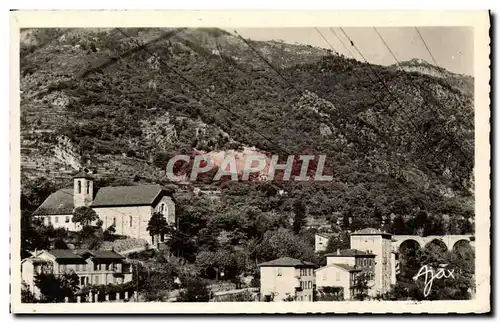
(287, 262)
(58, 203)
(127, 195)
(61, 202)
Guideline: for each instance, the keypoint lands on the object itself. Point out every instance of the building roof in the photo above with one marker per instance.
(127, 195)
(79, 254)
(106, 254)
(324, 235)
(341, 266)
(82, 174)
(65, 253)
(287, 262)
(60, 202)
(349, 253)
(370, 231)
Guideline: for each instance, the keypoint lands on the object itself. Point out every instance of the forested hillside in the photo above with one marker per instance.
(122, 102)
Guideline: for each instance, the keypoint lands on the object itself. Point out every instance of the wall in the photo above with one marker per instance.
(59, 221)
(381, 247)
(131, 221)
(281, 286)
(320, 243)
(168, 209)
(307, 282)
(28, 276)
(335, 277)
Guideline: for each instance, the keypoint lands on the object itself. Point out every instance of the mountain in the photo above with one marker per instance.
(461, 82)
(122, 102)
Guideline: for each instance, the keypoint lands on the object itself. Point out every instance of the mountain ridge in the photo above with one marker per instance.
(399, 129)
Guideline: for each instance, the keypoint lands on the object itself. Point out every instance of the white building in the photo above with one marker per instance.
(379, 243)
(128, 208)
(287, 278)
(337, 275)
(321, 241)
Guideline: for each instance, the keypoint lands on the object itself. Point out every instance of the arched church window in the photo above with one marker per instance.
(114, 221)
(88, 187)
(130, 218)
(79, 187)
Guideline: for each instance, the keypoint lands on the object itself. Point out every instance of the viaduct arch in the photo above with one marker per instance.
(448, 240)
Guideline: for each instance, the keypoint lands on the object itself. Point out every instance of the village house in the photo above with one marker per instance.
(337, 275)
(287, 279)
(93, 267)
(321, 241)
(342, 267)
(128, 208)
(379, 243)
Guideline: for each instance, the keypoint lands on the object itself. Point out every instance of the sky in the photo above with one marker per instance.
(452, 47)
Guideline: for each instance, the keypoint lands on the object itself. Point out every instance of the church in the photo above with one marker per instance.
(128, 208)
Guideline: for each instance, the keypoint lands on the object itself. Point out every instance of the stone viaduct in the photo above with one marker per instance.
(448, 240)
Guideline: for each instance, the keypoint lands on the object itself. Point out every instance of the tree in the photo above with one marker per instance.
(212, 263)
(399, 226)
(330, 293)
(157, 226)
(283, 243)
(299, 219)
(340, 240)
(360, 286)
(109, 233)
(55, 289)
(26, 295)
(195, 290)
(84, 216)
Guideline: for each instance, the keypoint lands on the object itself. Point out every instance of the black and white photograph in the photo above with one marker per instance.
(327, 165)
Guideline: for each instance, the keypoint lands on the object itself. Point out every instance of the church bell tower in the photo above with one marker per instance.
(83, 189)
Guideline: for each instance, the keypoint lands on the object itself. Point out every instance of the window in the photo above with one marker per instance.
(310, 285)
(337, 276)
(67, 219)
(96, 266)
(130, 219)
(88, 187)
(77, 267)
(96, 280)
(56, 219)
(309, 298)
(49, 220)
(162, 206)
(364, 262)
(114, 222)
(79, 187)
(82, 280)
(63, 268)
(279, 272)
